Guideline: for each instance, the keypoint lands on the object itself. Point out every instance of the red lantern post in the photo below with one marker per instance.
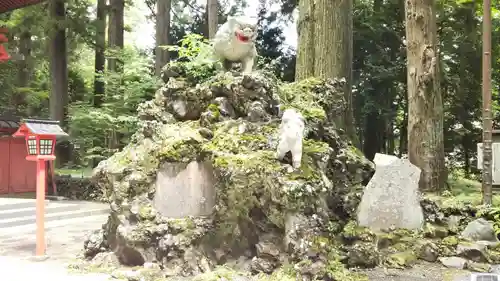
(40, 136)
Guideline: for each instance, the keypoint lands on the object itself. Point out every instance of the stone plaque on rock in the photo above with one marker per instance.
(185, 190)
(391, 198)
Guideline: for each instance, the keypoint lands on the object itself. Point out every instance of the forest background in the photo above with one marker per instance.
(90, 63)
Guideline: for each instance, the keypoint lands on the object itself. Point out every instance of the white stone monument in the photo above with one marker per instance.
(391, 198)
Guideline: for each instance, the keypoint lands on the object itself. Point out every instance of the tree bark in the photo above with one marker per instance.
(333, 51)
(304, 67)
(425, 106)
(100, 47)
(59, 73)
(212, 18)
(162, 56)
(115, 32)
(330, 41)
(115, 43)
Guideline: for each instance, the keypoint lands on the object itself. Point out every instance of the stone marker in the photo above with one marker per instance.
(391, 198)
(185, 190)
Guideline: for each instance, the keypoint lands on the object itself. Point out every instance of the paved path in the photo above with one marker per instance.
(67, 223)
(15, 269)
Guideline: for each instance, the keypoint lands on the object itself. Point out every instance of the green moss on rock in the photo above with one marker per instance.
(451, 241)
(352, 231)
(435, 231)
(401, 260)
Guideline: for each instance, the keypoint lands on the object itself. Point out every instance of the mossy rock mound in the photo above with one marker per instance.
(445, 240)
(263, 210)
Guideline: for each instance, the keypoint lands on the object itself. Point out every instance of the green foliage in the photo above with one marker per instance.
(193, 46)
(379, 70)
(195, 53)
(101, 131)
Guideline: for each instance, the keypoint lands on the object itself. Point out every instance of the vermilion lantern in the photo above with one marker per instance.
(40, 136)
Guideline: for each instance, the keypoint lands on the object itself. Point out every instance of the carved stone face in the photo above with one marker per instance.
(245, 32)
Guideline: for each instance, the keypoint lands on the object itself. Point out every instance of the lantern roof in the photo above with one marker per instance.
(9, 122)
(40, 127)
(9, 5)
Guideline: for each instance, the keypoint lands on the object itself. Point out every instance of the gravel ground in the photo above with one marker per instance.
(420, 272)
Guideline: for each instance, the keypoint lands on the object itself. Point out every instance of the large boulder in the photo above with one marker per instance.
(199, 184)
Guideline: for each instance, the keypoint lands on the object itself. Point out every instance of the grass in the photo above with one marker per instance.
(77, 173)
(463, 191)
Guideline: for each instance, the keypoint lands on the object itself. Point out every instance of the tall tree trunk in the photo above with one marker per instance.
(162, 33)
(25, 69)
(333, 51)
(425, 106)
(212, 18)
(25, 65)
(349, 37)
(100, 47)
(467, 59)
(371, 144)
(390, 137)
(304, 67)
(115, 43)
(59, 74)
(115, 32)
(466, 153)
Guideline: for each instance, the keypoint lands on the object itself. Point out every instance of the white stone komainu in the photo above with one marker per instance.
(235, 42)
(291, 133)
